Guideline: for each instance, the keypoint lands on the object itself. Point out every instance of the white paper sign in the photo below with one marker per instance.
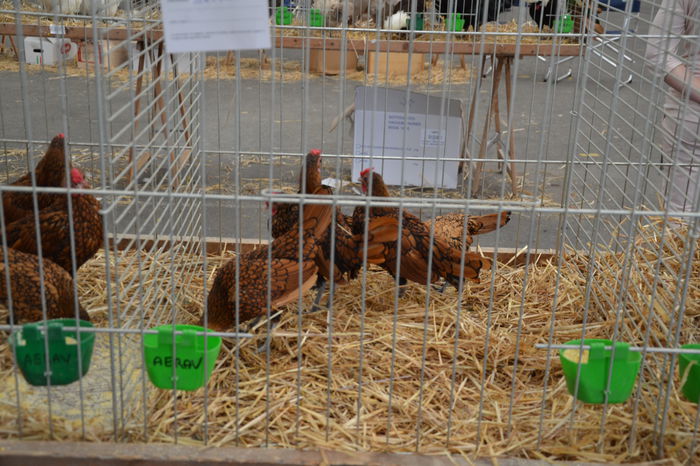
(215, 25)
(430, 132)
(56, 29)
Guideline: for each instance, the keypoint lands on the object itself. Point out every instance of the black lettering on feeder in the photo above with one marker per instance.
(181, 363)
(61, 358)
(37, 359)
(33, 359)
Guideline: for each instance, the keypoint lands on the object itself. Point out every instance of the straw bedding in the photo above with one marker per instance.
(251, 68)
(318, 407)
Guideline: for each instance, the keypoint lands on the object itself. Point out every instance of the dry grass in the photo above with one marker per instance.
(318, 407)
(431, 75)
(251, 68)
(71, 68)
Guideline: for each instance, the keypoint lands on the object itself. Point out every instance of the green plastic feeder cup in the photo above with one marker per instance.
(689, 366)
(595, 369)
(283, 15)
(190, 372)
(564, 25)
(64, 368)
(316, 18)
(419, 22)
(455, 22)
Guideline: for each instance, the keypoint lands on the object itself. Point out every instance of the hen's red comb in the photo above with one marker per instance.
(365, 171)
(60, 135)
(315, 152)
(76, 176)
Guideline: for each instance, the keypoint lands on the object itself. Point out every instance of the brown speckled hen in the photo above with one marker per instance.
(26, 288)
(451, 226)
(284, 269)
(54, 224)
(348, 256)
(49, 172)
(416, 244)
(286, 215)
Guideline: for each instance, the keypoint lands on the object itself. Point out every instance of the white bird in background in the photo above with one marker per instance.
(84, 7)
(358, 10)
(397, 21)
(66, 7)
(102, 7)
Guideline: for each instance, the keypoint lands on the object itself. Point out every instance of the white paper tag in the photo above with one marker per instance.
(57, 29)
(215, 25)
(332, 182)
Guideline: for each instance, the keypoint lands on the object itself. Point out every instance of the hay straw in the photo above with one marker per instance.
(428, 75)
(70, 68)
(245, 404)
(251, 68)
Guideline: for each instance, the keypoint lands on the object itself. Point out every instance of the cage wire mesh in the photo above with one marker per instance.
(559, 115)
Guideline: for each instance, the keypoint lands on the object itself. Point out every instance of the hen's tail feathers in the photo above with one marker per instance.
(447, 263)
(381, 230)
(473, 264)
(289, 281)
(487, 223)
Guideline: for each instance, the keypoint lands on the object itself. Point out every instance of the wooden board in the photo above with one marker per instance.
(23, 452)
(357, 45)
(435, 47)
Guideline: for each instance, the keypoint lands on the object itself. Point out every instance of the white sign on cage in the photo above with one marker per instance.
(430, 132)
(215, 25)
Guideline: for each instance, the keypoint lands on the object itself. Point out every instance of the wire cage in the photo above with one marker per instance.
(561, 118)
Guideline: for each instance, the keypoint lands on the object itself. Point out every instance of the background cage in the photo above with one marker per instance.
(184, 150)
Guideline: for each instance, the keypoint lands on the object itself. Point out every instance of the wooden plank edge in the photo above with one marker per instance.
(45, 453)
(217, 245)
(83, 32)
(358, 45)
(436, 47)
